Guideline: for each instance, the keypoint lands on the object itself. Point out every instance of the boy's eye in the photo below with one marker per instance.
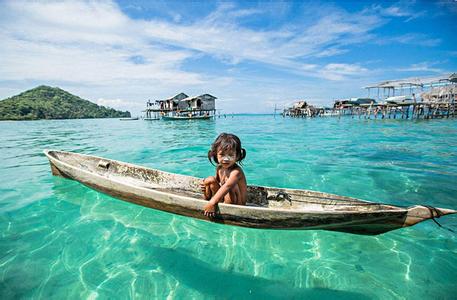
(226, 153)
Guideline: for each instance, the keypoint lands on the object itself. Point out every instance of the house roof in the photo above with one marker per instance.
(300, 104)
(190, 98)
(175, 96)
(196, 97)
(186, 97)
(209, 95)
(415, 81)
(453, 77)
(441, 91)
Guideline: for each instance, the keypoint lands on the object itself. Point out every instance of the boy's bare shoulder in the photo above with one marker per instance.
(238, 170)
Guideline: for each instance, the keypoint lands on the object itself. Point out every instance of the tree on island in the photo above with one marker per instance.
(46, 102)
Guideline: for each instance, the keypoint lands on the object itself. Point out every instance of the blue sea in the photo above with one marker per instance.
(62, 240)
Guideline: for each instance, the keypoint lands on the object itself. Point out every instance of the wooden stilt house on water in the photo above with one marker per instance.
(300, 109)
(411, 98)
(352, 105)
(182, 107)
(432, 97)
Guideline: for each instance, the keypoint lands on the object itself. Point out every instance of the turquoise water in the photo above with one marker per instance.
(62, 240)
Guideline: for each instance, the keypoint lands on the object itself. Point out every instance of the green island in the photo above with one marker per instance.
(45, 102)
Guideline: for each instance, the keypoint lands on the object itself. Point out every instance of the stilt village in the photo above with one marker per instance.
(413, 98)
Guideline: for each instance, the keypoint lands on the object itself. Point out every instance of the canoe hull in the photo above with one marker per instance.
(172, 201)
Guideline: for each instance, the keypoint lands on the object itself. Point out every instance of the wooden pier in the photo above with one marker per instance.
(422, 110)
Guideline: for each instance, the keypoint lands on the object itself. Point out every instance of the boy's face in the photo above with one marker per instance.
(226, 158)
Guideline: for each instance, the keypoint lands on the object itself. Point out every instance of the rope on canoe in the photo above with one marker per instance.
(439, 214)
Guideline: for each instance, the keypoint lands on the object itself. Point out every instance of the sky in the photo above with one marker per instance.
(251, 55)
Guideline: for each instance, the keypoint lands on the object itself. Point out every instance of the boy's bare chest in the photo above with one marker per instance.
(223, 176)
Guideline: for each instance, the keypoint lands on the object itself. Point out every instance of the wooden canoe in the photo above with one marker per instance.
(268, 207)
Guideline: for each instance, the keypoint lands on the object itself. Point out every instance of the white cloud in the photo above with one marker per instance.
(218, 36)
(411, 39)
(94, 43)
(126, 61)
(423, 67)
(448, 5)
(56, 40)
(341, 71)
(119, 103)
(401, 9)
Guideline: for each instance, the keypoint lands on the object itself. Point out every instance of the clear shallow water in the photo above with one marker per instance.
(60, 239)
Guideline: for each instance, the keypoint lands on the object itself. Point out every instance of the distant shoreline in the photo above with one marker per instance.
(217, 116)
(31, 120)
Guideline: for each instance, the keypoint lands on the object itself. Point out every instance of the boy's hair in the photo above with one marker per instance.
(224, 142)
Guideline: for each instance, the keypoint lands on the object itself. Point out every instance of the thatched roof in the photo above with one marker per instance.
(300, 104)
(453, 77)
(440, 92)
(414, 82)
(199, 97)
(176, 97)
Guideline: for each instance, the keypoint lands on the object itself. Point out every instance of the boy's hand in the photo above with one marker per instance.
(203, 186)
(210, 209)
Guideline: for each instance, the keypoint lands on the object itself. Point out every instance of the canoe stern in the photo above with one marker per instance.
(419, 213)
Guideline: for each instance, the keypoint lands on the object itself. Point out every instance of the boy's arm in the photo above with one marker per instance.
(233, 179)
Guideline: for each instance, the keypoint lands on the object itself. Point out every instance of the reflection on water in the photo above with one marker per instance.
(60, 239)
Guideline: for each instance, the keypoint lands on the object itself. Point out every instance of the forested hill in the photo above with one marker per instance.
(46, 102)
